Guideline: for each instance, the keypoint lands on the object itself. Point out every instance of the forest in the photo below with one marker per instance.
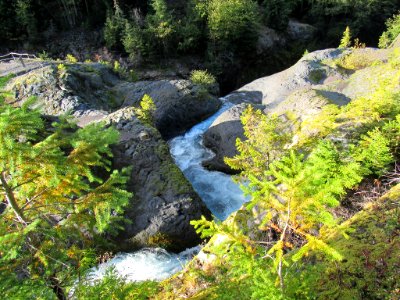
(221, 35)
(295, 103)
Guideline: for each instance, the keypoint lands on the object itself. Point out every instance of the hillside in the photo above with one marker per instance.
(200, 149)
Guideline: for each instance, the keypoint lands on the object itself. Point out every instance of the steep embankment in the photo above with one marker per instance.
(351, 108)
(164, 202)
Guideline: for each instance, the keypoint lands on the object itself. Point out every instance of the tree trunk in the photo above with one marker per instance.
(57, 289)
(11, 199)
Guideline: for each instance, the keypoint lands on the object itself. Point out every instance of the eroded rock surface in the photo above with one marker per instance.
(296, 94)
(91, 91)
(180, 104)
(164, 202)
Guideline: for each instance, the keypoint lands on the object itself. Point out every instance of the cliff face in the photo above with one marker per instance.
(164, 202)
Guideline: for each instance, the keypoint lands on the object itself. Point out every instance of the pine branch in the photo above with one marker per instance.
(11, 199)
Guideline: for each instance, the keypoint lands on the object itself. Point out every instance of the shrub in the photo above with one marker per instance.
(146, 110)
(71, 59)
(356, 60)
(202, 77)
(113, 287)
(44, 55)
(61, 68)
(123, 72)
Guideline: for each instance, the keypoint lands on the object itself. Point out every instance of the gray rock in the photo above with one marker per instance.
(179, 104)
(221, 138)
(164, 201)
(222, 135)
(300, 31)
(296, 94)
(92, 89)
(270, 39)
(272, 90)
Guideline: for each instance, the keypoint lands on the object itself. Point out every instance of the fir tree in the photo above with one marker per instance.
(345, 42)
(56, 205)
(295, 193)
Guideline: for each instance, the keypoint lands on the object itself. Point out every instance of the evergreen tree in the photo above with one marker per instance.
(161, 27)
(295, 193)
(114, 27)
(391, 33)
(277, 13)
(255, 153)
(345, 42)
(146, 111)
(56, 205)
(230, 20)
(133, 41)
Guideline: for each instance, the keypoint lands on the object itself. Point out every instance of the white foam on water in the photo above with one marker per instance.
(146, 264)
(221, 195)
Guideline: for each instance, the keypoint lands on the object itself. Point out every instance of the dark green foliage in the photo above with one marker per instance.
(277, 13)
(4, 80)
(391, 131)
(161, 28)
(183, 23)
(230, 20)
(371, 266)
(133, 41)
(374, 152)
(366, 18)
(26, 18)
(191, 29)
(114, 27)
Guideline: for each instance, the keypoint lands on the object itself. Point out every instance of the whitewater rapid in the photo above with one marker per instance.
(217, 190)
(221, 195)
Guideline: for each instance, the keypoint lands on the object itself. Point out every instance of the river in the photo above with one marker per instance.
(221, 195)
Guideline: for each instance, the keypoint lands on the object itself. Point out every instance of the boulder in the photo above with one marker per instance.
(221, 138)
(310, 70)
(300, 31)
(92, 90)
(268, 39)
(164, 202)
(271, 40)
(179, 103)
(298, 93)
(79, 89)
